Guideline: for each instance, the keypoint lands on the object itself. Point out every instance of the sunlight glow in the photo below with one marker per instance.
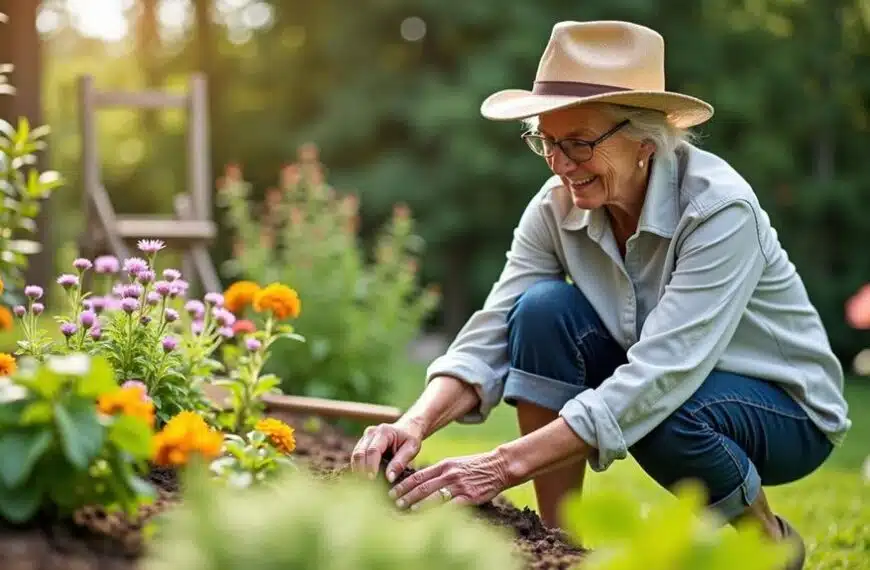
(102, 19)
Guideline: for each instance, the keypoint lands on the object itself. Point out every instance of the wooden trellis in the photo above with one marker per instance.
(191, 228)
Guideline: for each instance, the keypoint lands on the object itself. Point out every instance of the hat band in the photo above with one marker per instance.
(573, 88)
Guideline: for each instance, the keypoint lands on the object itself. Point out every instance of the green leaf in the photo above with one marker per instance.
(99, 379)
(132, 435)
(80, 430)
(291, 336)
(602, 518)
(20, 450)
(10, 412)
(265, 384)
(19, 505)
(40, 412)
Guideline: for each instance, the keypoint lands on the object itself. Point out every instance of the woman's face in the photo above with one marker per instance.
(612, 175)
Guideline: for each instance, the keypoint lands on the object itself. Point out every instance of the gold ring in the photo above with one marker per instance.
(445, 493)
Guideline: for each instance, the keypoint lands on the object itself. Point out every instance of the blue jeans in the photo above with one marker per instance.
(734, 434)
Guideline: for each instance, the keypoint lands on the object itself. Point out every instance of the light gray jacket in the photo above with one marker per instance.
(705, 284)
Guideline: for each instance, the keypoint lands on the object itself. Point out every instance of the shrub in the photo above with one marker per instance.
(360, 314)
(70, 437)
(23, 188)
(303, 523)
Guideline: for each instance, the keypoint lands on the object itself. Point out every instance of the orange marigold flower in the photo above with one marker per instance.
(6, 320)
(129, 401)
(278, 433)
(239, 295)
(2, 286)
(184, 435)
(282, 301)
(8, 366)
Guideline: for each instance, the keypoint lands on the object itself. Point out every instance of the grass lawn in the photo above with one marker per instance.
(831, 508)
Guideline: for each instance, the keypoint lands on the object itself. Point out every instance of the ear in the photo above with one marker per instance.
(647, 149)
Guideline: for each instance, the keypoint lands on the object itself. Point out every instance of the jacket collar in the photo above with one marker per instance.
(659, 215)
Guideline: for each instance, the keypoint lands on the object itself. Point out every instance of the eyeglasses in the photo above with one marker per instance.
(578, 150)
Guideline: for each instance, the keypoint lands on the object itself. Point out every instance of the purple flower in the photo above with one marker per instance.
(96, 333)
(223, 317)
(19, 310)
(171, 274)
(196, 327)
(88, 318)
(129, 305)
(163, 288)
(171, 315)
(68, 329)
(178, 288)
(144, 320)
(253, 344)
(150, 246)
(67, 280)
(169, 343)
(106, 264)
(145, 277)
(132, 290)
(135, 265)
(33, 291)
(214, 299)
(153, 298)
(226, 332)
(195, 309)
(82, 264)
(37, 308)
(98, 304)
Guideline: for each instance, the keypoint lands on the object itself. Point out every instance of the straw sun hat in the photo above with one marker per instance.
(613, 62)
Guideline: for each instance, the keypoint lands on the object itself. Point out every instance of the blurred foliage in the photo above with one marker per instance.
(358, 313)
(329, 525)
(397, 119)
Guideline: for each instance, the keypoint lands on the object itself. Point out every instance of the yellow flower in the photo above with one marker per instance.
(130, 401)
(2, 286)
(278, 433)
(182, 436)
(8, 366)
(239, 295)
(6, 320)
(282, 301)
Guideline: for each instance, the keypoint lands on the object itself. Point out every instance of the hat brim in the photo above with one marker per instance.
(682, 111)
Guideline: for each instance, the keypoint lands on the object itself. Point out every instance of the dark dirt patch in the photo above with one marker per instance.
(95, 540)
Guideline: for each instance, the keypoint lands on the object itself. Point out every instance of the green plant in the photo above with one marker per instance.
(344, 523)
(144, 326)
(23, 188)
(360, 314)
(257, 457)
(69, 437)
(680, 534)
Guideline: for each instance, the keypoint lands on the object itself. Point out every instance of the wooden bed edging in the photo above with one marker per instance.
(328, 408)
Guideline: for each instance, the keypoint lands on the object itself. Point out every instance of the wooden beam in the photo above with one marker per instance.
(140, 100)
(327, 408)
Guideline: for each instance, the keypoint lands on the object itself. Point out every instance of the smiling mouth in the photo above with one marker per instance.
(584, 182)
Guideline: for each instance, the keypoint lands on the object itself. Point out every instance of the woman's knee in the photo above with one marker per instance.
(542, 305)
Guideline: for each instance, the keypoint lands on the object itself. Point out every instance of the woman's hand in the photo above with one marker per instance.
(473, 479)
(403, 439)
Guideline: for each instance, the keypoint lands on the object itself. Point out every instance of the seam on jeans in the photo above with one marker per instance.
(578, 355)
(720, 440)
(738, 400)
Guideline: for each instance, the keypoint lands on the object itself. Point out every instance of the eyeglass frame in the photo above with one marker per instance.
(558, 143)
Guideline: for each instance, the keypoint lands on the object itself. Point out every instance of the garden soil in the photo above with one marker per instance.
(95, 540)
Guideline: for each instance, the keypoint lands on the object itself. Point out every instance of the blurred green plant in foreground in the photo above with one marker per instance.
(303, 523)
(676, 534)
(360, 315)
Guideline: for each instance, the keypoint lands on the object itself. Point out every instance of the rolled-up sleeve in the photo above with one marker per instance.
(479, 355)
(717, 268)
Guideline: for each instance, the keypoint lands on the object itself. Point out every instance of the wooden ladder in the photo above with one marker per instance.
(191, 229)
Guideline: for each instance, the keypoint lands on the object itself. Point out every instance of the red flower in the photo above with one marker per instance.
(244, 326)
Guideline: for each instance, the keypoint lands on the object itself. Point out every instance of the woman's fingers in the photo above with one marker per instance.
(419, 485)
(406, 452)
(367, 454)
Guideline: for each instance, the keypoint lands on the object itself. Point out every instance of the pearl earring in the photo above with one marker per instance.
(640, 164)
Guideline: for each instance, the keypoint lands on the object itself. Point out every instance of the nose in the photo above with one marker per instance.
(560, 163)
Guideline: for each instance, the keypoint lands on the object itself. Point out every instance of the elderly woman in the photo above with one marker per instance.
(645, 307)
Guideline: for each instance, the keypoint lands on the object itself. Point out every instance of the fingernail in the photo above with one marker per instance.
(391, 476)
(392, 493)
(415, 506)
(400, 503)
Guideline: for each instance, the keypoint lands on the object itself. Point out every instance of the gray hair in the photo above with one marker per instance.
(646, 125)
